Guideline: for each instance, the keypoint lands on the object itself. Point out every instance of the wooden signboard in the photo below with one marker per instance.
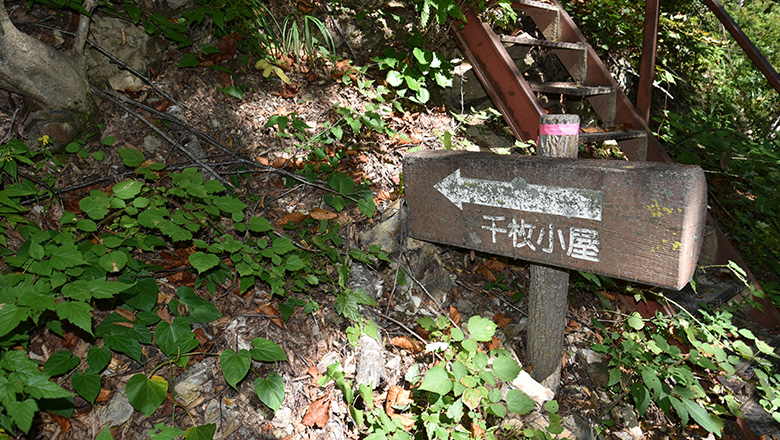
(638, 221)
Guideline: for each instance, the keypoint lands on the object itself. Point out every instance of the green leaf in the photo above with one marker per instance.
(77, 312)
(66, 256)
(113, 261)
(519, 403)
(202, 261)
(175, 339)
(105, 434)
(200, 309)
(146, 395)
(437, 380)
(481, 329)
(10, 316)
(394, 78)
(266, 350)
(124, 343)
(282, 245)
(98, 358)
(294, 263)
(614, 377)
(341, 183)
(635, 321)
(131, 157)
(270, 390)
(86, 385)
(650, 377)
(234, 365)
(40, 387)
(506, 368)
(229, 204)
(367, 206)
(22, 413)
(707, 421)
(259, 224)
(162, 432)
(680, 408)
(86, 225)
(188, 60)
(127, 189)
(641, 397)
(203, 432)
(96, 288)
(95, 205)
(59, 363)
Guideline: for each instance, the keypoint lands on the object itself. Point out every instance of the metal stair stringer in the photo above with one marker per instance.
(499, 76)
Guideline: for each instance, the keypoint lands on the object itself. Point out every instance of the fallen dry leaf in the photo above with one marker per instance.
(406, 421)
(314, 373)
(397, 396)
(495, 265)
(407, 343)
(103, 396)
(485, 272)
(501, 320)
(322, 214)
(295, 217)
(128, 315)
(64, 422)
(318, 412)
(272, 313)
(455, 315)
(493, 344)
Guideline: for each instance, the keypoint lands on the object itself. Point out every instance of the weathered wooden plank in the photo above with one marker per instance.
(636, 221)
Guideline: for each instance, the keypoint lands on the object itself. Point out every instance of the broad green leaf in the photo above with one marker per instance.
(113, 261)
(270, 390)
(234, 365)
(98, 358)
(367, 206)
(266, 350)
(200, 309)
(481, 329)
(202, 261)
(635, 321)
(175, 339)
(259, 224)
(131, 157)
(127, 189)
(142, 295)
(341, 183)
(641, 397)
(59, 363)
(162, 432)
(614, 376)
(77, 312)
(96, 288)
(437, 380)
(282, 245)
(203, 432)
(707, 421)
(10, 316)
(95, 205)
(86, 225)
(188, 60)
(146, 395)
(506, 368)
(680, 408)
(294, 263)
(650, 377)
(105, 434)
(125, 343)
(519, 403)
(67, 256)
(394, 78)
(40, 387)
(22, 413)
(87, 385)
(229, 204)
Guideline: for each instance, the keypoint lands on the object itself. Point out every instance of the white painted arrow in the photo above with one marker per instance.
(521, 196)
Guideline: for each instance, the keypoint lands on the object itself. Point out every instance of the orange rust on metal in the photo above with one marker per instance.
(638, 221)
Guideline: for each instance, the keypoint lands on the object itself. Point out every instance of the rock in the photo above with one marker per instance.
(330, 358)
(118, 411)
(129, 43)
(363, 278)
(189, 385)
(527, 384)
(597, 366)
(223, 416)
(579, 427)
(152, 143)
(428, 268)
(627, 418)
(370, 368)
(387, 231)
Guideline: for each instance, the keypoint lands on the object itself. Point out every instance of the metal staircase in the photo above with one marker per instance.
(494, 58)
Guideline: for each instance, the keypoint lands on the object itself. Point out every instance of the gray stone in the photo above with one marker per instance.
(189, 385)
(363, 278)
(597, 366)
(118, 411)
(370, 366)
(579, 427)
(387, 230)
(224, 416)
(152, 143)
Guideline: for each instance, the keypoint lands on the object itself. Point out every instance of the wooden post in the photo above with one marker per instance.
(549, 288)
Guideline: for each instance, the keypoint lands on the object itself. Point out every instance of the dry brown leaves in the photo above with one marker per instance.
(501, 320)
(271, 312)
(455, 315)
(407, 343)
(397, 396)
(318, 412)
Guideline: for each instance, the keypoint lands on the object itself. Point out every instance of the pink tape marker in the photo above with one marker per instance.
(559, 129)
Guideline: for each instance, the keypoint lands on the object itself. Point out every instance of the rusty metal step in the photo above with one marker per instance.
(527, 41)
(587, 138)
(545, 15)
(569, 88)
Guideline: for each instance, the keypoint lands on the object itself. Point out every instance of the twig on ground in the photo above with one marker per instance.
(118, 100)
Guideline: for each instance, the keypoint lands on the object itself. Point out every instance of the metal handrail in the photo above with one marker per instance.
(649, 49)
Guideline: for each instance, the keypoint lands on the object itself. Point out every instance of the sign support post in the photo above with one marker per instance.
(549, 287)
